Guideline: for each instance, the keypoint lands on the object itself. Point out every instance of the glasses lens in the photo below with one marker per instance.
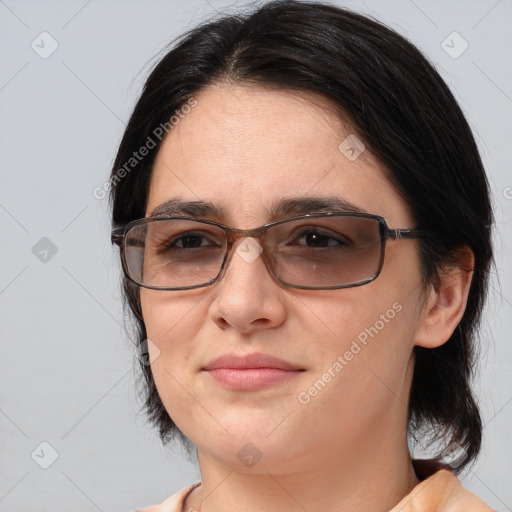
(326, 251)
(174, 253)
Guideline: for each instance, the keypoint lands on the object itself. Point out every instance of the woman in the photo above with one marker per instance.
(304, 226)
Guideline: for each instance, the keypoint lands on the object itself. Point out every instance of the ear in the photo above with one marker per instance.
(446, 301)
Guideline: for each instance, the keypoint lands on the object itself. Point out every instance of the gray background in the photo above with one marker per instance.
(66, 371)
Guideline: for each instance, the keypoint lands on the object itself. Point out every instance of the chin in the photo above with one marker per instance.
(251, 455)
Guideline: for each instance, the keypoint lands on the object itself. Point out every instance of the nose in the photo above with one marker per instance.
(247, 298)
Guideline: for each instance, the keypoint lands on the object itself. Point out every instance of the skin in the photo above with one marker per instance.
(243, 148)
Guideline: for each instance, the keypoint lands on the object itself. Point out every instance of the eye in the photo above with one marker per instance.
(193, 240)
(314, 237)
(185, 241)
(190, 241)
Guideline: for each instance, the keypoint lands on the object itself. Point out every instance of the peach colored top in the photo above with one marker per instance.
(173, 503)
(439, 492)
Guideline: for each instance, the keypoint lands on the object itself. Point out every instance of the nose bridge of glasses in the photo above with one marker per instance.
(248, 244)
(235, 236)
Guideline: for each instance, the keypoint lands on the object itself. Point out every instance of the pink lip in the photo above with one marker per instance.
(250, 372)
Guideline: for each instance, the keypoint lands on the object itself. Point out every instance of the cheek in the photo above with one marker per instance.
(365, 350)
(363, 377)
(172, 323)
(171, 318)
(359, 316)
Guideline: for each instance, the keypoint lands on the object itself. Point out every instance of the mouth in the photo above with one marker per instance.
(251, 379)
(251, 372)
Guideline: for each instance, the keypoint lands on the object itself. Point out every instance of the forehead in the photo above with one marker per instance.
(247, 148)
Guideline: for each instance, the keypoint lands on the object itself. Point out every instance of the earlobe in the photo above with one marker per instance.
(445, 302)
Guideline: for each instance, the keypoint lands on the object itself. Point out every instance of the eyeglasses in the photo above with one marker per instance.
(316, 251)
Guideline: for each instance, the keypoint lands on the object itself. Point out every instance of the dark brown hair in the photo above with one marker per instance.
(405, 114)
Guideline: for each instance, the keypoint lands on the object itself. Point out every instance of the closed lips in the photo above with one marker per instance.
(250, 361)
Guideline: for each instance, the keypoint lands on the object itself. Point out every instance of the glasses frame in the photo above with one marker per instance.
(233, 234)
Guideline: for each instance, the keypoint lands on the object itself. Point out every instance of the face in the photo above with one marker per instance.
(244, 149)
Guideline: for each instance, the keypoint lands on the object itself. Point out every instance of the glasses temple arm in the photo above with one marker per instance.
(117, 235)
(406, 233)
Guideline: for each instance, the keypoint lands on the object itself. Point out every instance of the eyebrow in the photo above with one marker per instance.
(278, 210)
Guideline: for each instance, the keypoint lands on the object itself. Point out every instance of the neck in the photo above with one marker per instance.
(375, 479)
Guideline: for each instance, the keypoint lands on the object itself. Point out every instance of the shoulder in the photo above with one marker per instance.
(173, 503)
(441, 491)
